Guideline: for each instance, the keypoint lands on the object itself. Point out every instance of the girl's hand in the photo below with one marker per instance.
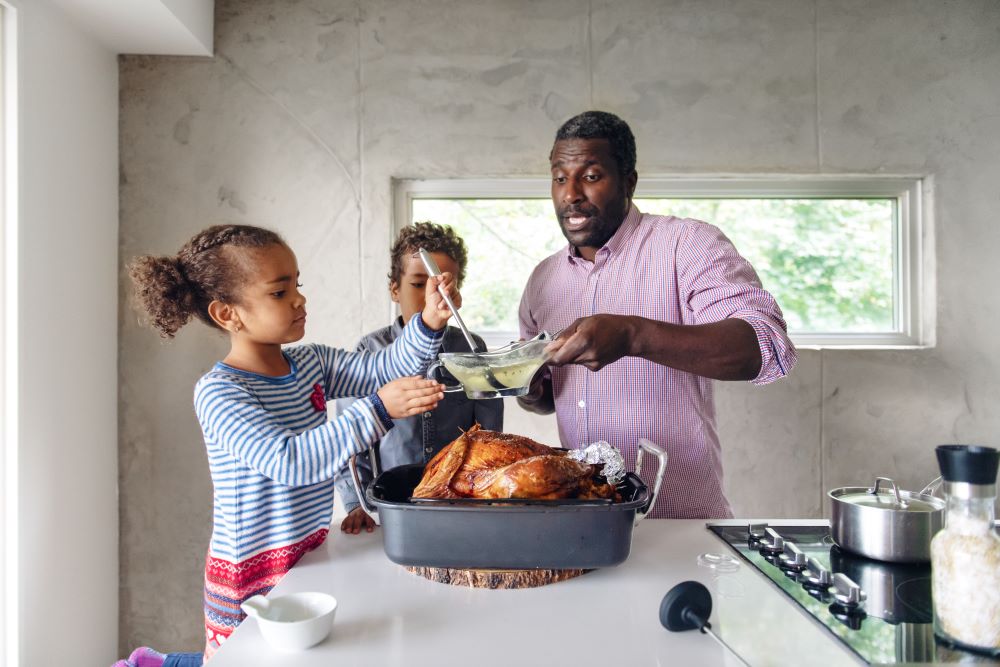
(405, 397)
(356, 521)
(436, 311)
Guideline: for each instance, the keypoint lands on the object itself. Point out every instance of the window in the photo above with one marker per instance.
(841, 255)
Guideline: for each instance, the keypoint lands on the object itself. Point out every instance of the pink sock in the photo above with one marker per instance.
(142, 657)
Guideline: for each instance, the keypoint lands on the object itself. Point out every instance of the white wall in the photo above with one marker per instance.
(67, 327)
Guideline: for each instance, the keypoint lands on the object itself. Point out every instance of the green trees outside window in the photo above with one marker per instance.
(828, 262)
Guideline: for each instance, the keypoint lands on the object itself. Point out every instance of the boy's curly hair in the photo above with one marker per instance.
(431, 237)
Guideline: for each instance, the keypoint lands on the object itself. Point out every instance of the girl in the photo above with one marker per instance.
(272, 451)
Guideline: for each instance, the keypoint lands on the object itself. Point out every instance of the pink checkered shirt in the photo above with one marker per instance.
(668, 269)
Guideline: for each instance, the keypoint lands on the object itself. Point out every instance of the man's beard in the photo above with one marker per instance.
(602, 224)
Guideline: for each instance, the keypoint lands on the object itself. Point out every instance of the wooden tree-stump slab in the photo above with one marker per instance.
(494, 578)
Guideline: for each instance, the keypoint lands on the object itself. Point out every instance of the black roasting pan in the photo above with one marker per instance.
(507, 533)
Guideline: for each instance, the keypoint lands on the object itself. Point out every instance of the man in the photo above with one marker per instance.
(658, 306)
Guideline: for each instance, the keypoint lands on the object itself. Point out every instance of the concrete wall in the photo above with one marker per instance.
(310, 108)
(67, 329)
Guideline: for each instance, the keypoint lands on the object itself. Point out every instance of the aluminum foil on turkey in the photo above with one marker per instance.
(602, 453)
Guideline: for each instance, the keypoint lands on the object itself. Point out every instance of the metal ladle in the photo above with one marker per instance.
(432, 269)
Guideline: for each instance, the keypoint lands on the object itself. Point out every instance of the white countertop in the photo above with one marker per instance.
(389, 617)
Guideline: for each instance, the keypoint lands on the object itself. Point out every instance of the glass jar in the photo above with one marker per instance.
(965, 554)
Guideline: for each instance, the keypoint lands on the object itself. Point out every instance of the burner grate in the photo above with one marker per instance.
(883, 612)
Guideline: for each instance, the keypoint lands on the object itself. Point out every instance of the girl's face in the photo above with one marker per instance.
(409, 291)
(272, 309)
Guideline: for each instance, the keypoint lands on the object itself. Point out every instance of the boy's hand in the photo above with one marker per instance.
(436, 311)
(405, 397)
(357, 520)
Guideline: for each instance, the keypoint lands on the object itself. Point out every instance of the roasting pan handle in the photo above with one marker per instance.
(661, 457)
(362, 498)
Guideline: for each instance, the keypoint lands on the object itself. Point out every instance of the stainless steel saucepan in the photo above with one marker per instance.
(885, 523)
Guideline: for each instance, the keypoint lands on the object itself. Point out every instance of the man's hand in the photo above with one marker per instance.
(405, 397)
(594, 342)
(436, 311)
(539, 398)
(355, 521)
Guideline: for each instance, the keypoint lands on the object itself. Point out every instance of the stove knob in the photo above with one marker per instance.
(772, 543)
(846, 592)
(755, 533)
(792, 558)
(816, 576)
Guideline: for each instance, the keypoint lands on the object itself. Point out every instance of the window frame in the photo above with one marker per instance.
(911, 310)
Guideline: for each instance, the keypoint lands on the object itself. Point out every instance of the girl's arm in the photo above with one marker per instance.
(232, 418)
(362, 373)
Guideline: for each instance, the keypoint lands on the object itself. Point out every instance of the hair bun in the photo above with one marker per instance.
(164, 292)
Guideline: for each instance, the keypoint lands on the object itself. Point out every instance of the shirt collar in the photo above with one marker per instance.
(397, 326)
(616, 242)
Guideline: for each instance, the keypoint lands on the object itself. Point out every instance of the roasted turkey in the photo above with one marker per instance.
(487, 464)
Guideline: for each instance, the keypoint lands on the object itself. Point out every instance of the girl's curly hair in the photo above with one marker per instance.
(173, 289)
(431, 237)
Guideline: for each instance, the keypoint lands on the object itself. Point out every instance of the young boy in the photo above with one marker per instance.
(417, 439)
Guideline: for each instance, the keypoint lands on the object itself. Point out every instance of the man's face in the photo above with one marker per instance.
(590, 197)
(409, 291)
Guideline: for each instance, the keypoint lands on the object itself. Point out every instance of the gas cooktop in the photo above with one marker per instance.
(882, 611)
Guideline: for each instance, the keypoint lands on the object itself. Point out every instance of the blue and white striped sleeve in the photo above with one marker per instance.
(234, 419)
(362, 373)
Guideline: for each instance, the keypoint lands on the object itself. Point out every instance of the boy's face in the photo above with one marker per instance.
(409, 291)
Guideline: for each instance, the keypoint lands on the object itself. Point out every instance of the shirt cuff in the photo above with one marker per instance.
(380, 410)
(777, 354)
(350, 507)
(426, 330)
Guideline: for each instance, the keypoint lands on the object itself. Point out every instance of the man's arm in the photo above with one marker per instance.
(733, 329)
(724, 350)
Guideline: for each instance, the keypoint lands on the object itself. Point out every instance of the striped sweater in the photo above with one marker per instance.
(273, 455)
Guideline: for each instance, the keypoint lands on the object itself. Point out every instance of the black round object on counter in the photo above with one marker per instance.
(686, 606)
(971, 464)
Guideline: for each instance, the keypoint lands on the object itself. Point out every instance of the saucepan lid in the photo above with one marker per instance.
(892, 498)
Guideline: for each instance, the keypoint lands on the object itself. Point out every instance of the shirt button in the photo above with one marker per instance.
(427, 449)
(427, 415)
(582, 404)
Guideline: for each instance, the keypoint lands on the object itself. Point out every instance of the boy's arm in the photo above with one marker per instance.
(345, 485)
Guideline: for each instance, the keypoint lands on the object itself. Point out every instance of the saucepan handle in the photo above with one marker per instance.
(661, 457)
(932, 486)
(892, 484)
(362, 498)
(431, 372)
